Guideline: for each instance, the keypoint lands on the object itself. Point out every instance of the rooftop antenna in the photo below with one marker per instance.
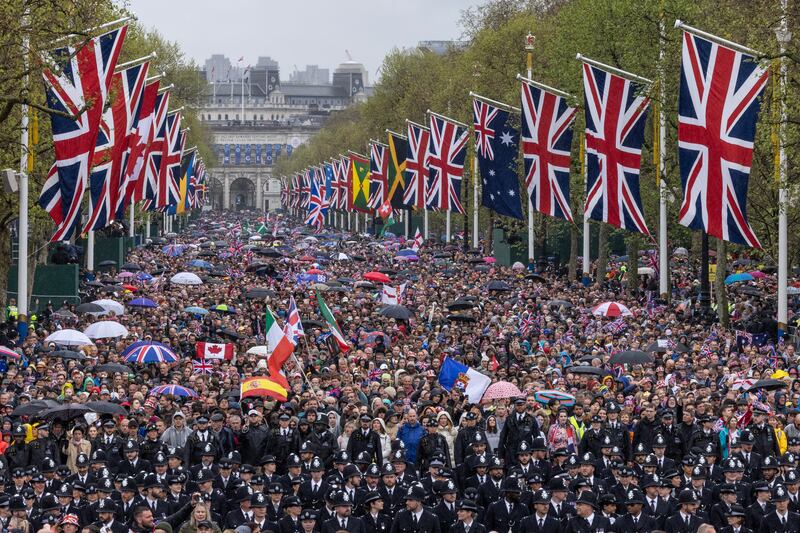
(349, 57)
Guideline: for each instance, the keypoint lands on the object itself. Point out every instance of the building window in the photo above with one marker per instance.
(226, 116)
(219, 116)
(262, 117)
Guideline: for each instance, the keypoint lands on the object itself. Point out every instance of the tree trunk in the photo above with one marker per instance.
(602, 252)
(573, 252)
(633, 265)
(5, 265)
(719, 283)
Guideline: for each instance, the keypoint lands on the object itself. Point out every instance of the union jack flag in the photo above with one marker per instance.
(332, 192)
(284, 193)
(417, 172)
(148, 189)
(526, 322)
(201, 366)
(134, 82)
(344, 180)
(80, 80)
(484, 133)
(305, 187)
(139, 141)
(294, 326)
(546, 140)
(379, 175)
(446, 152)
(615, 118)
(168, 193)
(315, 217)
(718, 109)
(107, 189)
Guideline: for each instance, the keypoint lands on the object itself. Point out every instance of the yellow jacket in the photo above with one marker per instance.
(780, 437)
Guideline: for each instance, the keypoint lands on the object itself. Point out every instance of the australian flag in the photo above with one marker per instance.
(497, 146)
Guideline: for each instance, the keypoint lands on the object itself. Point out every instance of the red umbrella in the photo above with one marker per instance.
(306, 258)
(378, 277)
(611, 309)
(129, 287)
(314, 271)
(501, 389)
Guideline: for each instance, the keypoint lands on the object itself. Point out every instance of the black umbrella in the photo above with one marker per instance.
(585, 369)
(662, 346)
(33, 407)
(358, 258)
(475, 260)
(750, 291)
(443, 254)
(498, 286)
(96, 283)
(482, 268)
(131, 267)
(460, 305)
(396, 311)
(631, 357)
(113, 288)
(258, 292)
(461, 318)
(768, 384)
(535, 277)
(107, 263)
(559, 303)
(68, 354)
(229, 333)
(114, 367)
(346, 280)
(387, 271)
(90, 308)
(106, 408)
(252, 267)
(67, 411)
(269, 252)
(314, 324)
(364, 285)
(206, 254)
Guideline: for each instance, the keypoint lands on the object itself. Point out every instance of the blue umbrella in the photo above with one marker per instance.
(735, 278)
(143, 276)
(142, 302)
(148, 352)
(196, 310)
(199, 263)
(407, 251)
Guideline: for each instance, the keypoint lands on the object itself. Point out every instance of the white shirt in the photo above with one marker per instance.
(590, 519)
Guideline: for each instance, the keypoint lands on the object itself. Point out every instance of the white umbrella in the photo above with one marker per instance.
(68, 337)
(255, 237)
(645, 271)
(258, 350)
(186, 278)
(518, 266)
(310, 239)
(342, 257)
(111, 306)
(106, 329)
(681, 251)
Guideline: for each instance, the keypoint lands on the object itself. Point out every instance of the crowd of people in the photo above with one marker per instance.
(702, 436)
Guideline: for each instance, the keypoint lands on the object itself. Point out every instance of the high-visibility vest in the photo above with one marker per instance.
(12, 311)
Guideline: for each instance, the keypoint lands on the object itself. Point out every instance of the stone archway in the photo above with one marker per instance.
(216, 194)
(243, 194)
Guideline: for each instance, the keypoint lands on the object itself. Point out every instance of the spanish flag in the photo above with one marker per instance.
(263, 386)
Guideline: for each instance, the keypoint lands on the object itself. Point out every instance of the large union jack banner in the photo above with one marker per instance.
(416, 166)
(168, 193)
(378, 175)
(305, 187)
(342, 167)
(718, 110)
(148, 189)
(77, 85)
(446, 153)
(616, 113)
(547, 122)
(315, 216)
(332, 192)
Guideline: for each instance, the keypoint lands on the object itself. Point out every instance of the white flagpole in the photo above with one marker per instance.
(147, 226)
(529, 41)
(474, 200)
(447, 229)
(586, 236)
(22, 234)
(90, 245)
(131, 221)
(663, 251)
(425, 223)
(784, 36)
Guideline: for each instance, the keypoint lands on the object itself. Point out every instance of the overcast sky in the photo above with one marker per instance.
(301, 32)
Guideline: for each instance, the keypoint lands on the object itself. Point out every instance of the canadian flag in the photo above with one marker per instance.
(211, 350)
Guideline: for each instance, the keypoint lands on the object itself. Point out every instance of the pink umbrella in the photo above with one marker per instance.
(501, 389)
(489, 259)
(757, 274)
(125, 275)
(611, 309)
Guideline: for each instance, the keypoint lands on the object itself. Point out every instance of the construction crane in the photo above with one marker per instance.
(349, 57)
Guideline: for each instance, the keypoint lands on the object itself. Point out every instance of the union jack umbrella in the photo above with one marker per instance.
(148, 352)
(616, 113)
(201, 366)
(446, 153)
(718, 109)
(78, 86)
(546, 141)
(378, 174)
(315, 217)
(416, 173)
(174, 390)
(611, 309)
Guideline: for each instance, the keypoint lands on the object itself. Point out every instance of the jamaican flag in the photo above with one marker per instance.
(359, 182)
(398, 148)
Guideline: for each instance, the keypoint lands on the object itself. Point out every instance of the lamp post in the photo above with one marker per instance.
(529, 42)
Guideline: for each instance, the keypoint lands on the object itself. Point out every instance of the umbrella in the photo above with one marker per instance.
(173, 250)
(142, 302)
(461, 318)
(475, 260)
(34, 407)
(143, 276)
(370, 340)
(681, 251)
(270, 252)
(125, 275)
(195, 310)
(111, 306)
(611, 309)
(500, 390)
(148, 352)
(112, 368)
(106, 408)
(186, 278)
(631, 357)
(736, 278)
(90, 308)
(489, 259)
(106, 329)
(517, 266)
(535, 277)
(768, 384)
(645, 271)
(364, 285)
(314, 324)
(68, 337)
(407, 251)
(130, 288)
(544, 396)
(757, 274)
(460, 306)
(259, 350)
(559, 303)
(107, 263)
(8, 352)
(68, 354)
(314, 271)
(378, 277)
(498, 286)
(67, 411)
(174, 390)
(665, 345)
(199, 263)
(396, 311)
(482, 268)
(131, 266)
(258, 292)
(319, 287)
(224, 308)
(584, 369)
(440, 255)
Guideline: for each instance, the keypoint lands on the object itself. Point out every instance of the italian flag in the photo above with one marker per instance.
(328, 316)
(279, 347)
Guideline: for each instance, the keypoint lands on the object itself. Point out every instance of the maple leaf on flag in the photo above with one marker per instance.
(214, 349)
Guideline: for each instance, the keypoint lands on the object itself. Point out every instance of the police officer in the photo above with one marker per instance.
(18, 454)
(415, 517)
(375, 520)
(519, 426)
(505, 514)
